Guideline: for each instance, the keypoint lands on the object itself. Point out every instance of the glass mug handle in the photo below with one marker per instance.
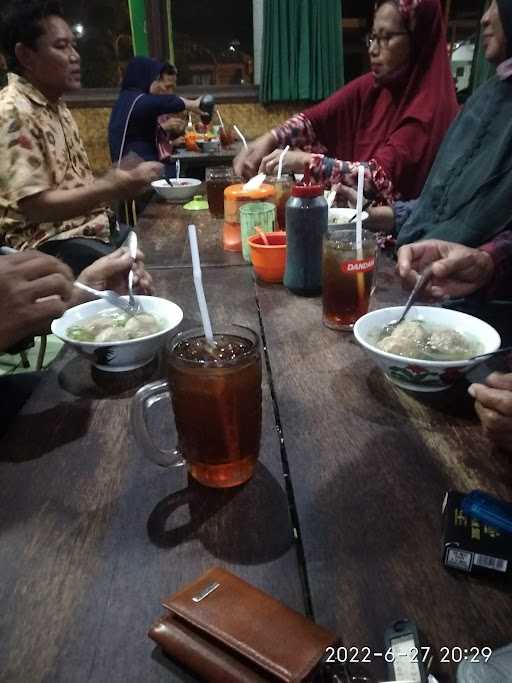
(146, 397)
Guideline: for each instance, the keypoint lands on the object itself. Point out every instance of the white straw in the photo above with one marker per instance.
(281, 159)
(359, 209)
(240, 135)
(198, 282)
(178, 169)
(220, 118)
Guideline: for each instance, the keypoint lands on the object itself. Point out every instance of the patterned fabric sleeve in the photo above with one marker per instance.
(298, 132)
(377, 184)
(500, 250)
(22, 161)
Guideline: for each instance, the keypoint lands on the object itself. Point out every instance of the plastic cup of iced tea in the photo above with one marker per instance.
(347, 276)
(215, 392)
(283, 187)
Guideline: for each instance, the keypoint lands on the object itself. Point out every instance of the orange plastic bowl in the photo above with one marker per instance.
(269, 261)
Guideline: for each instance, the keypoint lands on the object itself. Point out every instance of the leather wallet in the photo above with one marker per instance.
(227, 631)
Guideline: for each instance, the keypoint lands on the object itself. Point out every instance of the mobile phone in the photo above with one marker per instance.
(404, 655)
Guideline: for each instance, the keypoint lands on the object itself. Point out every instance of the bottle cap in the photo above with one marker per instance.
(307, 190)
(197, 204)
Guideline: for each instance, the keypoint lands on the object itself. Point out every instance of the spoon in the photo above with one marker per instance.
(482, 368)
(131, 243)
(420, 283)
(108, 295)
(168, 181)
(365, 206)
(482, 357)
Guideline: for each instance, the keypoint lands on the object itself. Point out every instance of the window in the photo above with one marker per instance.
(213, 41)
(104, 39)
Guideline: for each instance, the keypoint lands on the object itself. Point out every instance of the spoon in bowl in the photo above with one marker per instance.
(131, 243)
(418, 287)
(112, 297)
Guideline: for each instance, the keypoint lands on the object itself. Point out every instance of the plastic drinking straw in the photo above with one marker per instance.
(178, 169)
(281, 159)
(220, 118)
(198, 282)
(262, 234)
(240, 135)
(359, 230)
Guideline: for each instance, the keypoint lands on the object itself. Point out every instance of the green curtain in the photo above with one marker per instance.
(302, 50)
(138, 23)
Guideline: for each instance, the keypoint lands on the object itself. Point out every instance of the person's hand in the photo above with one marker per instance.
(457, 270)
(294, 160)
(129, 181)
(247, 161)
(35, 289)
(174, 126)
(493, 403)
(111, 272)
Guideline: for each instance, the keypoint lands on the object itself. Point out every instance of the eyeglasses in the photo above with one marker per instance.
(382, 41)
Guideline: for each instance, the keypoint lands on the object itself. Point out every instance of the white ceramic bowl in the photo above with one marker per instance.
(424, 375)
(121, 355)
(343, 216)
(182, 189)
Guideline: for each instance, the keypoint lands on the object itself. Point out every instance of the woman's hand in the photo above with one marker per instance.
(247, 161)
(294, 160)
(457, 270)
(493, 403)
(111, 272)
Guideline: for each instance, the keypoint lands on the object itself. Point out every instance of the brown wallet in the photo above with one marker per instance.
(227, 631)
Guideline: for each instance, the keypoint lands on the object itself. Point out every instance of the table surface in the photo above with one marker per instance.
(222, 156)
(340, 521)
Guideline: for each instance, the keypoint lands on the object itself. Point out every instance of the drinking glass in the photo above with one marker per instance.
(347, 276)
(217, 179)
(252, 215)
(283, 188)
(216, 401)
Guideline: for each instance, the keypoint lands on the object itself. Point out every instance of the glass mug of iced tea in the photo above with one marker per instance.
(347, 276)
(215, 392)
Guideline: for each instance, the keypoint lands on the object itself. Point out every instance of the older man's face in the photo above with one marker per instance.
(54, 64)
(493, 35)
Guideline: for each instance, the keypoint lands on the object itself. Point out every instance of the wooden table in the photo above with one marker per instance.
(341, 520)
(193, 160)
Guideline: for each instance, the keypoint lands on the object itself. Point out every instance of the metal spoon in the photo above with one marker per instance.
(482, 357)
(485, 364)
(365, 206)
(420, 283)
(107, 294)
(131, 243)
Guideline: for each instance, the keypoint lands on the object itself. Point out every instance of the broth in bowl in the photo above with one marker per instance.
(427, 341)
(431, 350)
(113, 325)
